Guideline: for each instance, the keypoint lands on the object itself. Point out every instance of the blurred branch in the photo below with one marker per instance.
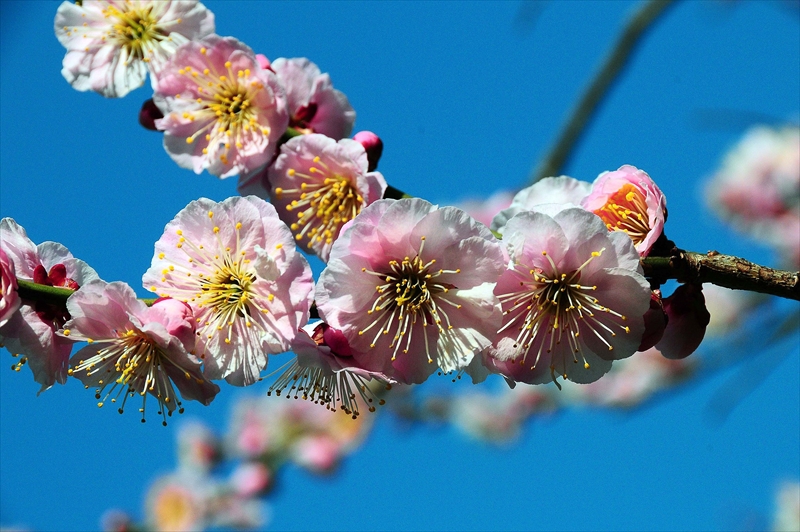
(723, 270)
(560, 153)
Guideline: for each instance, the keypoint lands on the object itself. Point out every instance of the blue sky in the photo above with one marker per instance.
(466, 96)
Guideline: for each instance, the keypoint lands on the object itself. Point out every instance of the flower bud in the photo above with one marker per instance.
(148, 115)
(177, 317)
(373, 146)
(655, 322)
(687, 321)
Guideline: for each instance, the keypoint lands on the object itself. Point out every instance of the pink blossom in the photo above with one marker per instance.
(9, 299)
(235, 263)
(135, 349)
(628, 200)
(562, 190)
(111, 44)
(686, 326)
(31, 330)
(314, 105)
(410, 287)
(222, 111)
(325, 372)
(573, 298)
(319, 184)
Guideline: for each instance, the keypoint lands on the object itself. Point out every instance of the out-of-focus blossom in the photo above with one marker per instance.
(484, 210)
(314, 105)
(628, 200)
(787, 512)
(325, 372)
(135, 349)
(373, 145)
(185, 501)
(757, 189)
(111, 45)
(687, 321)
(410, 287)
(573, 298)
(198, 447)
(562, 190)
(177, 503)
(222, 111)
(31, 330)
(631, 381)
(319, 185)
(235, 263)
(270, 431)
(251, 479)
(9, 299)
(318, 453)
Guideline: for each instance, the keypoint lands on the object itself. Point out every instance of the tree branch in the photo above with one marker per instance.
(723, 270)
(561, 151)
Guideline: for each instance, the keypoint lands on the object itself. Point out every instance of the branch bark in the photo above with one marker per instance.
(723, 270)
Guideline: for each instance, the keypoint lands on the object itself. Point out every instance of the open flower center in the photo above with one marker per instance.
(130, 364)
(324, 201)
(626, 211)
(553, 307)
(228, 290)
(134, 28)
(410, 294)
(225, 102)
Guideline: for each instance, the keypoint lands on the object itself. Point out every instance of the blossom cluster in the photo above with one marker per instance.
(409, 289)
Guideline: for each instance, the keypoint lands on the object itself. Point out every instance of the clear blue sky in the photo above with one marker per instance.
(466, 97)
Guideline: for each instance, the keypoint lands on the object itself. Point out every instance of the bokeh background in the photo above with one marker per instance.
(466, 96)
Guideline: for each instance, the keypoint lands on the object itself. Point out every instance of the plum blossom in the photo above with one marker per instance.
(31, 330)
(757, 188)
(628, 200)
(314, 105)
(410, 285)
(9, 299)
(559, 190)
(222, 111)
(135, 349)
(235, 263)
(573, 298)
(319, 184)
(111, 45)
(325, 372)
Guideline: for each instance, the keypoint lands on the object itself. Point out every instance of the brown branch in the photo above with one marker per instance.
(559, 154)
(723, 270)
